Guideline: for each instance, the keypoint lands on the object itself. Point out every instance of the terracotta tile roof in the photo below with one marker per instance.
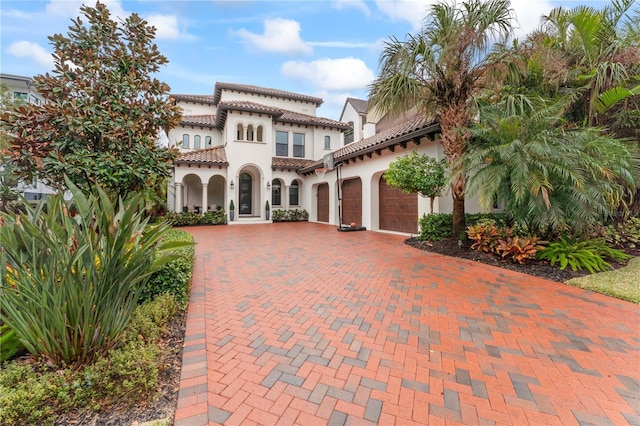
(359, 105)
(290, 163)
(247, 88)
(215, 155)
(202, 99)
(416, 127)
(199, 120)
(281, 115)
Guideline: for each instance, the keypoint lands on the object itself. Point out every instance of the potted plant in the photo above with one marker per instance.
(232, 209)
(267, 209)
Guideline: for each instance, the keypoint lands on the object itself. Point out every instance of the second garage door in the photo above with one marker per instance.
(398, 211)
(352, 201)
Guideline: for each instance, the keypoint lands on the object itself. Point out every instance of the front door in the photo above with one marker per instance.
(245, 193)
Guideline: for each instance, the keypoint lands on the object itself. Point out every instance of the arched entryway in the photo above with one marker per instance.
(248, 192)
(323, 202)
(191, 193)
(398, 210)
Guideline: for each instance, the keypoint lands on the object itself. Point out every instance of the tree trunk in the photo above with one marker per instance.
(458, 218)
(431, 203)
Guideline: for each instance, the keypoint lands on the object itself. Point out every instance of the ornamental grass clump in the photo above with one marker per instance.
(69, 284)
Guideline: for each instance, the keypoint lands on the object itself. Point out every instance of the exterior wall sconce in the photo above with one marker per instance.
(232, 185)
(268, 186)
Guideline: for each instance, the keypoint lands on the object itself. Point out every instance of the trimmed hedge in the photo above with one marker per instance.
(293, 215)
(174, 277)
(438, 226)
(218, 217)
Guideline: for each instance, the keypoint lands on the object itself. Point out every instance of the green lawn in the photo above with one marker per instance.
(623, 283)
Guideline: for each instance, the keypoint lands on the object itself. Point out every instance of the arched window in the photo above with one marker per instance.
(240, 132)
(276, 192)
(259, 134)
(294, 199)
(250, 132)
(327, 142)
(196, 141)
(207, 141)
(185, 141)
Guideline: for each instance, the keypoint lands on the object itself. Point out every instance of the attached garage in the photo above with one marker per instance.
(352, 201)
(323, 202)
(398, 210)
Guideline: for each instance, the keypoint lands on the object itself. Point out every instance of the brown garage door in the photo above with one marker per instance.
(323, 202)
(352, 201)
(398, 211)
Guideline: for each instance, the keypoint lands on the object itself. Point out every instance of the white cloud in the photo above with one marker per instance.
(340, 74)
(412, 11)
(528, 14)
(28, 49)
(166, 26)
(341, 44)
(351, 4)
(71, 8)
(280, 35)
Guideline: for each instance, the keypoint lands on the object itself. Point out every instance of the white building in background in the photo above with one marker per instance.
(250, 145)
(21, 87)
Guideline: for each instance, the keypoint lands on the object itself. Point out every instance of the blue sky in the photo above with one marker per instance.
(328, 49)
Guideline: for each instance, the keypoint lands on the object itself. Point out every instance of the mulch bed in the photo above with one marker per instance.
(538, 268)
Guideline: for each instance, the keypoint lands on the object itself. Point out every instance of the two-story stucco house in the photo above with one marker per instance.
(250, 145)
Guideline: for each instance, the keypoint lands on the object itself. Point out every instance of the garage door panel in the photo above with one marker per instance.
(323, 202)
(352, 201)
(398, 211)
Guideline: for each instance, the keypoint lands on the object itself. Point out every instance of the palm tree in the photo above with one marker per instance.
(440, 70)
(552, 177)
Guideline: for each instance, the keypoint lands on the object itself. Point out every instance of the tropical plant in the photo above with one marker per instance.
(519, 248)
(552, 178)
(437, 226)
(439, 71)
(587, 254)
(415, 173)
(104, 109)
(486, 234)
(69, 284)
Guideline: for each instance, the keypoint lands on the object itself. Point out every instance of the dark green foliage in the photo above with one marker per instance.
(218, 217)
(437, 226)
(129, 374)
(626, 233)
(174, 277)
(104, 109)
(231, 205)
(87, 270)
(293, 215)
(10, 345)
(588, 254)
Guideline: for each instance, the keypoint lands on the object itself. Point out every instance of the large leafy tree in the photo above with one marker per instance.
(8, 178)
(103, 112)
(415, 173)
(552, 176)
(440, 70)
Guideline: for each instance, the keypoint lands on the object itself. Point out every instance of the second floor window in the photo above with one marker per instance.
(207, 141)
(327, 142)
(282, 144)
(185, 141)
(298, 145)
(196, 141)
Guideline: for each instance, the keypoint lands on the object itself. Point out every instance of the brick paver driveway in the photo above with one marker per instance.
(301, 324)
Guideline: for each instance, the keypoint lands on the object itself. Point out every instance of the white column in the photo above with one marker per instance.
(205, 200)
(178, 200)
(286, 197)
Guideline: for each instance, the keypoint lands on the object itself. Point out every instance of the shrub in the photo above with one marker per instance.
(437, 226)
(174, 277)
(486, 233)
(10, 345)
(626, 233)
(588, 254)
(34, 395)
(519, 248)
(87, 270)
(218, 217)
(292, 215)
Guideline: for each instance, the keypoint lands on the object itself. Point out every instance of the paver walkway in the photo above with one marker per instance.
(301, 324)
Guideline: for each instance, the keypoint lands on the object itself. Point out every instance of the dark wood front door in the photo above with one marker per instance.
(323, 202)
(245, 193)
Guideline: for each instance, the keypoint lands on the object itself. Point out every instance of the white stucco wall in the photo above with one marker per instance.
(291, 105)
(192, 108)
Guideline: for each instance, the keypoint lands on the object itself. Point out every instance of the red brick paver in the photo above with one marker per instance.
(301, 324)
